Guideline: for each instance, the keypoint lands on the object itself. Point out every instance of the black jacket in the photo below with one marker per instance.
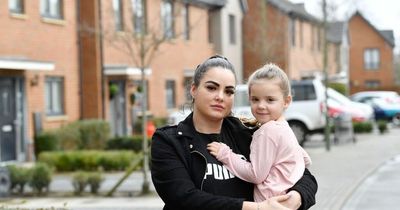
(173, 152)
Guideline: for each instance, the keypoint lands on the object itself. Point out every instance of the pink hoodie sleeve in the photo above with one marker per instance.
(262, 156)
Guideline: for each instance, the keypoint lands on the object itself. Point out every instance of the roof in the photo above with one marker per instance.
(335, 31)
(294, 10)
(387, 35)
(210, 3)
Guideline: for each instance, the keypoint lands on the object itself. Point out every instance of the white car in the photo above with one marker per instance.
(359, 112)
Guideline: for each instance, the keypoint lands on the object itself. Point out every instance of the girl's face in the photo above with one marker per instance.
(267, 101)
(213, 98)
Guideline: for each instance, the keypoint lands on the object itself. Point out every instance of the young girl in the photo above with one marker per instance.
(277, 161)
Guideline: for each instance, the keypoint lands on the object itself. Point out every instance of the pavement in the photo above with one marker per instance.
(350, 176)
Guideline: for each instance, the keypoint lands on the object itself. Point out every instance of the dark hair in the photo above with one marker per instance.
(213, 61)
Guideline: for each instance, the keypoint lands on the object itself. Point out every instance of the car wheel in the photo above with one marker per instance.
(300, 131)
(396, 120)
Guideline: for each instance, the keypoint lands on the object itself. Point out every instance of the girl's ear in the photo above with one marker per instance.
(288, 100)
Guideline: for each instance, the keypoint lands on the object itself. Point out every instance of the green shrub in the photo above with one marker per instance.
(362, 127)
(94, 180)
(382, 126)
(126, 143)
(88, 160)
(94, 134)
(46, 141)
(40, 177)
(79, 182)
(160, 121)
(339, 87)
(19, 177)
(69, 137)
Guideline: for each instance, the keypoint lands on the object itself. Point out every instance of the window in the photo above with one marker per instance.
(292, 25)
(16, 6)
(301, 33)
(232, 29)
(54, 95)
(51, 9)
(139, 13)
(312, 37)
(319, 39)
(118, 15)
(303, 92)
(186, 23)
(167, 18)
(170, 88)
(372, 83)
(371, 59)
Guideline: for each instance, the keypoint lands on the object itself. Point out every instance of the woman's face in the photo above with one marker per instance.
(213, 98)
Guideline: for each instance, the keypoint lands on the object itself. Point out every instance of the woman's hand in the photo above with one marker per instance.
(214, 147)
(293, 201)
(273, 203)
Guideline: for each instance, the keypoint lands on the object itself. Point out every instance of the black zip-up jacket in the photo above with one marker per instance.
(179, 182)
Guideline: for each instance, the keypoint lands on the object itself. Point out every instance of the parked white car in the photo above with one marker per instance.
(305, 114)
(359, 112)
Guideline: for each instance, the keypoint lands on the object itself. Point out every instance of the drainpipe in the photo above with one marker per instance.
(101, 61)
(78, 18)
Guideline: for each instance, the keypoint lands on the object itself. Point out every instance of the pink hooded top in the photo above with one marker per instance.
(277, 161)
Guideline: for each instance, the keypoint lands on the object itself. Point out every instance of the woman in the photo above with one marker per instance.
(187, 176)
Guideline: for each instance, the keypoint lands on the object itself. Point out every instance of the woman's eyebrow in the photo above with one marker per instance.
(212, 82)
(217, 84)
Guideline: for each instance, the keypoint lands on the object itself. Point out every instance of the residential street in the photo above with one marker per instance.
(351, 176)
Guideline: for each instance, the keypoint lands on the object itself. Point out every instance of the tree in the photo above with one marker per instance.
(140, 40)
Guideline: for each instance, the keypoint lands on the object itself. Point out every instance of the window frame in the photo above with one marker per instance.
(54, 108)
(186, 21)
(371, 59)
(292, 25)
(46, 6)
(139, 16)
(20, 6)
(232, 28)
(170, 85)
(118, 14)
(167, 17)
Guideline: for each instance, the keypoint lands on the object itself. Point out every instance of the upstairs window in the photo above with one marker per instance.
(186, 22)
(16, 6)
(139, 16)
(167, 11)
(51, 9)
(54, 93)
(292, 25)
(118, 15)
(371, 59)
(232, 29)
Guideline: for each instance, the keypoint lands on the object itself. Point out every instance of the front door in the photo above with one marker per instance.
(118, 109)
(7, 118)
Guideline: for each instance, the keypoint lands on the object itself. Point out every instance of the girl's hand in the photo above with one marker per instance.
(214, 148)
(293, 201)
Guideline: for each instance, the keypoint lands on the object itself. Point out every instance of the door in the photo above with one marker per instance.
(7, 118)
(118, 109)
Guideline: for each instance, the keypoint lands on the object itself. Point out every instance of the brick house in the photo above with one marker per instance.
(371, 55)
(39, 72)
(56, 68)
(284, 33)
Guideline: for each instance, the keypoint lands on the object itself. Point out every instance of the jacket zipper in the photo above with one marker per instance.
(205, 171)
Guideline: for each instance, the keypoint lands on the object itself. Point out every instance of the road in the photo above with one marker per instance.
(351, 176)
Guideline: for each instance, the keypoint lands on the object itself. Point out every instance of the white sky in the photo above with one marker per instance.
(383, 14)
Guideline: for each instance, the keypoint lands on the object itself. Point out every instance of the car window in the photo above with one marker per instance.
(303, 92)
